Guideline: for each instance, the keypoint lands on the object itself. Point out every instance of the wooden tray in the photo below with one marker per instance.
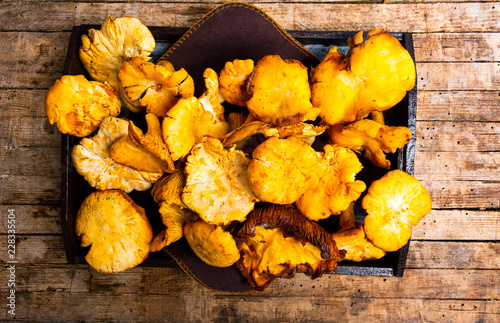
(74, 188)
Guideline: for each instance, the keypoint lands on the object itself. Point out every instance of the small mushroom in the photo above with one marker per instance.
(173, 212)
(280, 92)
(153, 87)
(152, 140)
(187, 122)
(92, 160)
(116, 229)
(276, 240)
(282, 170)
(211, 243)
(217, 187)
(337, 186)
(394, 204)
(234, 79)
(78, 106)
(355, 244)
(373, 138)
(103, 52)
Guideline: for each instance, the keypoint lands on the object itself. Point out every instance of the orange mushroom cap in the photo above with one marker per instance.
(394, 204)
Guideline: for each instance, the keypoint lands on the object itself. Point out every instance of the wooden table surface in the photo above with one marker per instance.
(452, 272)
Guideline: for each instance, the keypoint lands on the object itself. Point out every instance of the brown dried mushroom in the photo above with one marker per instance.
(276, 240)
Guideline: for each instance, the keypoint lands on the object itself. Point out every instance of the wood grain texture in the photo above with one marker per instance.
(466, 137)
(438, 254)
(245, 308)
(33, 219)
(37, 189)
(416, 283)
(461, 194)
(40, 64)
(453, 267)
(459, 225)
(29, 132)
(414, 17)
(38, 249)
(451, 47)
(424, 254)
(463, 166)
(458, 76)
(22, 103)
(458, 106)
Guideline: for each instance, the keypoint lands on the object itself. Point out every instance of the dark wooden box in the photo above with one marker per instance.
(74, 188)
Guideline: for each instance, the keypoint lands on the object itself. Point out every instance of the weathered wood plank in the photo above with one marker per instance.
(457, 47)
(458, 76)
(33, 219)
(30, 190)
(96, 307)
(27, 161)
(416, 283)
(37, 249)
(458, 106)
(460, 166)
(215, 2)
(22, 103)
(413, 17)
(456, 255)
(74, 279)
(18, 132)
(459, 225)
(460, 194)
(456, 137)
(428, 1)
(41, 62)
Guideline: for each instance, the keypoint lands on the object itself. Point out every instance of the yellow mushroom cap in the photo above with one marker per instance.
(78, 106)
(211, 243)
(394, 204)
(280, 92)
(357, 247)
(374, 75)
(234, 79)
(116, 229)
(104, 51)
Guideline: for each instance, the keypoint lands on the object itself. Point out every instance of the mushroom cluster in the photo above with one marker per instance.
(247, 188)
